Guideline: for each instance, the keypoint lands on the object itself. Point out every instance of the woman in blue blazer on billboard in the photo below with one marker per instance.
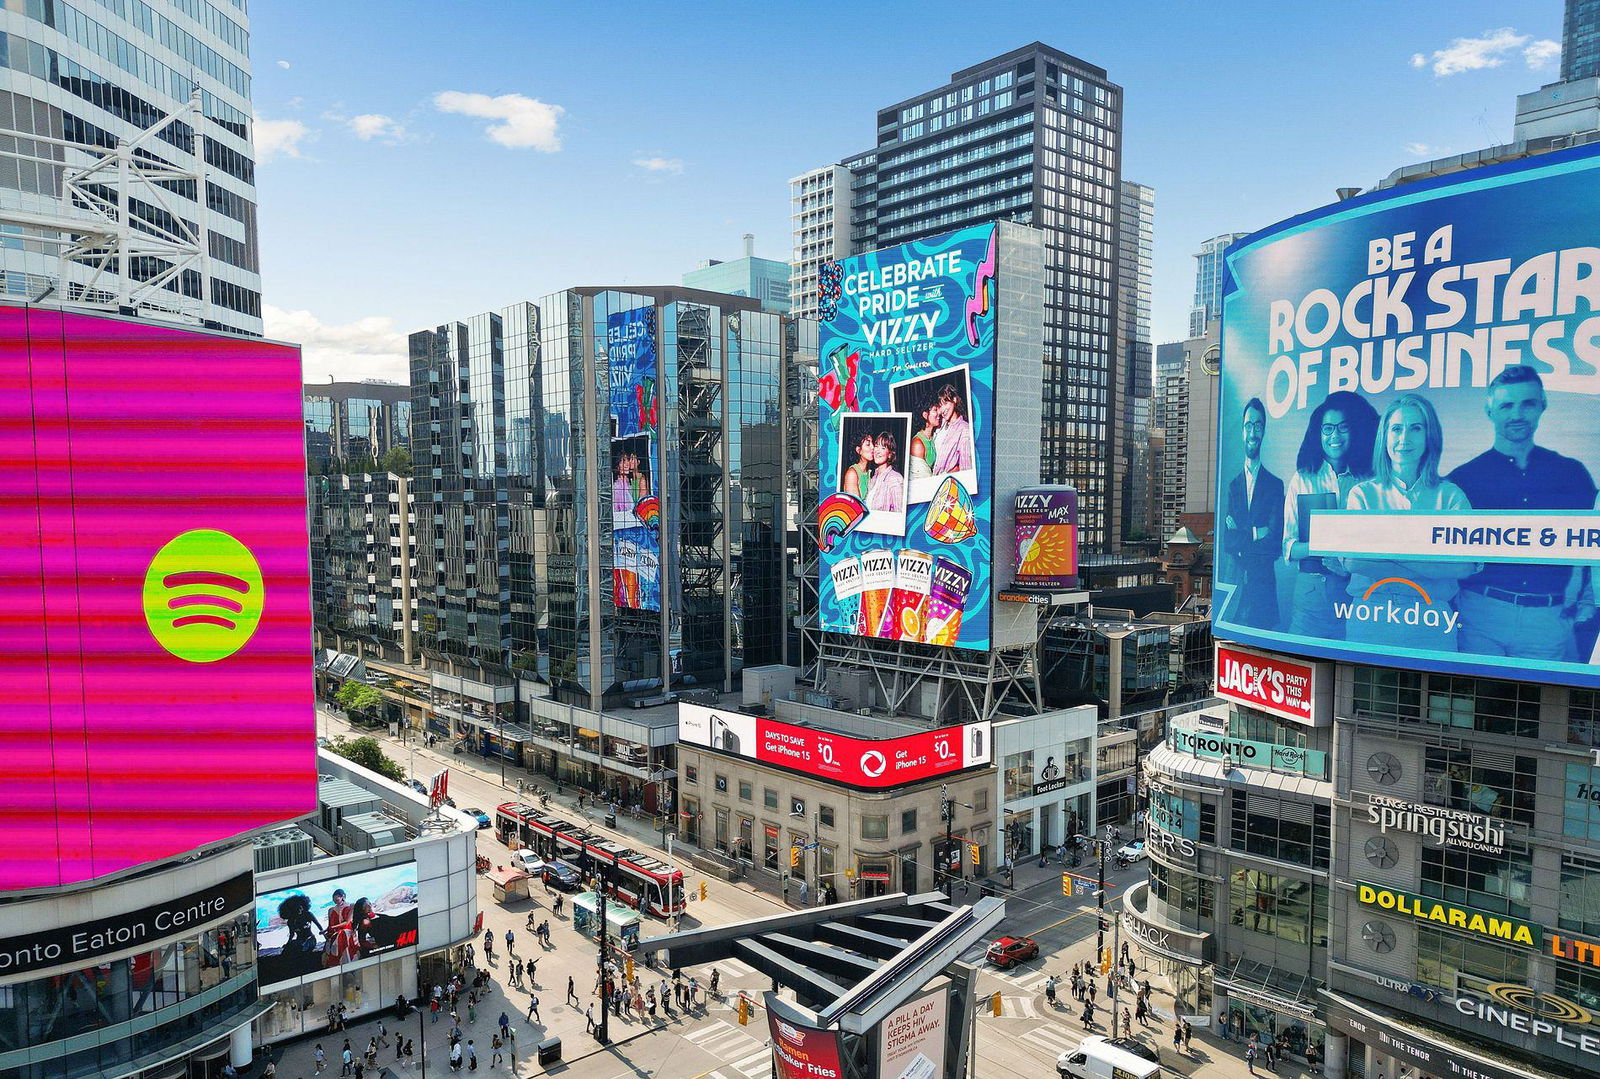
(1398, 603)
(1335, 455)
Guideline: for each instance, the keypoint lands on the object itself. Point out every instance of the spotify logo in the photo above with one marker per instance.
(203, 596)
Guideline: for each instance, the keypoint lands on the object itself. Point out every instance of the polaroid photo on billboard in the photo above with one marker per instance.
(630, 479)
(942, 442)
(871, 465)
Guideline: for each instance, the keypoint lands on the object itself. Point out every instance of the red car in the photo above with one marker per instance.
(1009, 951)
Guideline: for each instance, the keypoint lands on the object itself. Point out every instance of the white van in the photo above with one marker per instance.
(1096, 1058)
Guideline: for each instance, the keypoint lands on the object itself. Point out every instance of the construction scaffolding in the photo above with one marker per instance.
(121, 243)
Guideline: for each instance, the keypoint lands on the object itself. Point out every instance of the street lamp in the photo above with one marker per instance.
(948, 811)
(1100, 913)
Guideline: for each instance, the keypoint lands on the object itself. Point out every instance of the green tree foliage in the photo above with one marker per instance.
(358, 699)
(368, 754)
(397, 460)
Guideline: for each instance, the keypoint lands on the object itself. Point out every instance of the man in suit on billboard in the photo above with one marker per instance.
(1253, 528)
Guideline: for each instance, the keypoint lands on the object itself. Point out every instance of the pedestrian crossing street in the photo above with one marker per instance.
(745, 1057)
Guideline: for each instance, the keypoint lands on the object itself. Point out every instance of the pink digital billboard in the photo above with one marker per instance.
(155, 627)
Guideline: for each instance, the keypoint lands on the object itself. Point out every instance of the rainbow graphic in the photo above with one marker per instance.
(648, 510)
(838, 386)
(978, 298)
(837, 517)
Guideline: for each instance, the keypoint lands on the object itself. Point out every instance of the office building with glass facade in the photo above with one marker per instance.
(687, 590)
(1135, 514)
(1208, 282)
(350, 426)
(763, 280)
(90, 75)
(1033, 136)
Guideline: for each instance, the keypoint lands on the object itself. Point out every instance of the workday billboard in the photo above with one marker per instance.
(906, 475)
(155, 647)
(1408, 446)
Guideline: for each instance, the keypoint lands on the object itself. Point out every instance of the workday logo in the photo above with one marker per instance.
(1408, 606)
(203, 596)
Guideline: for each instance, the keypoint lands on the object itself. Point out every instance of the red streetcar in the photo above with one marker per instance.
(641, 881)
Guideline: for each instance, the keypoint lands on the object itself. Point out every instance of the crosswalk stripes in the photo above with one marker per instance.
(1018, 1008)
(1054, 1040)
(753, 1066)
(722, 1040)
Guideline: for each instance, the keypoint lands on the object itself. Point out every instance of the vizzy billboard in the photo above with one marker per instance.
(1046, 533)
(635, 460)
(154, 573)
(871, 764)
(1406, 440)
(906, 421)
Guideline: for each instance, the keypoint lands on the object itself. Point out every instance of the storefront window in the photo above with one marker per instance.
(1498, 883)
(1019, 835)
(1259, 727)
(1583, 718)
(1388, 693)
(1491, 782)
(1019, 775)
(1265, 1026)
(1580, 984)
(1283, 829)
(1443, 956)
(720, 836)
(1279, 906)
(1582, 802)
(1183, 892)
(746, 847)
(1580, 894)
(44, 1010)
(769, 846)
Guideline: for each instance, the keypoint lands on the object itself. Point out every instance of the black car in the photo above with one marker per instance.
(1136, 1047)
(563, 876)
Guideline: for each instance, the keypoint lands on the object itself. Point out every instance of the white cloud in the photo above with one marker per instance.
(368, 347)
(284, 64)
(660, 164)
(1418, 149)
(525, 123)
(373, 125)
(279, 138)
(1473, 53)
(1542, 53)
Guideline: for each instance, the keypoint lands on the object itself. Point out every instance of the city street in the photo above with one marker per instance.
(708, 1042)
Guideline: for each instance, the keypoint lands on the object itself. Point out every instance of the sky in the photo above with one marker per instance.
(441, 160)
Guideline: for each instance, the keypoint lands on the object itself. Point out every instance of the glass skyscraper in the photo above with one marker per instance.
(92, 74)
(540, 557)
(1580, 40)
(351, 425)
(1033, 136)
(1208, 281)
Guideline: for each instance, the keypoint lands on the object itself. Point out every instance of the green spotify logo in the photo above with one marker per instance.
(203, 596)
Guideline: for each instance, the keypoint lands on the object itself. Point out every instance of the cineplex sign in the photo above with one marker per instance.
(1447, 827)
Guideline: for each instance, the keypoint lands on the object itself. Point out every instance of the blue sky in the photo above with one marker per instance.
(439, 160)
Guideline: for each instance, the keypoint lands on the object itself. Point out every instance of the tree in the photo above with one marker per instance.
(368, 754)
(397, 460)
(358, 699)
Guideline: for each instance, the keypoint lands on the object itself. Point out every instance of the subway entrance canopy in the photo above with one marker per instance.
(875, 988)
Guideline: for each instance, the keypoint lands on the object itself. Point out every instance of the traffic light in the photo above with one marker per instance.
(1105, 961)
(1066, 884)
(973, 847)
(994, 1005)
(794, 857)
(744, 1009)
(702, 891)
(629, 968)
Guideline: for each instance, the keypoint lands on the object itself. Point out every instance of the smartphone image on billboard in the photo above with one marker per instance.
(977, 743)
(723, 736)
